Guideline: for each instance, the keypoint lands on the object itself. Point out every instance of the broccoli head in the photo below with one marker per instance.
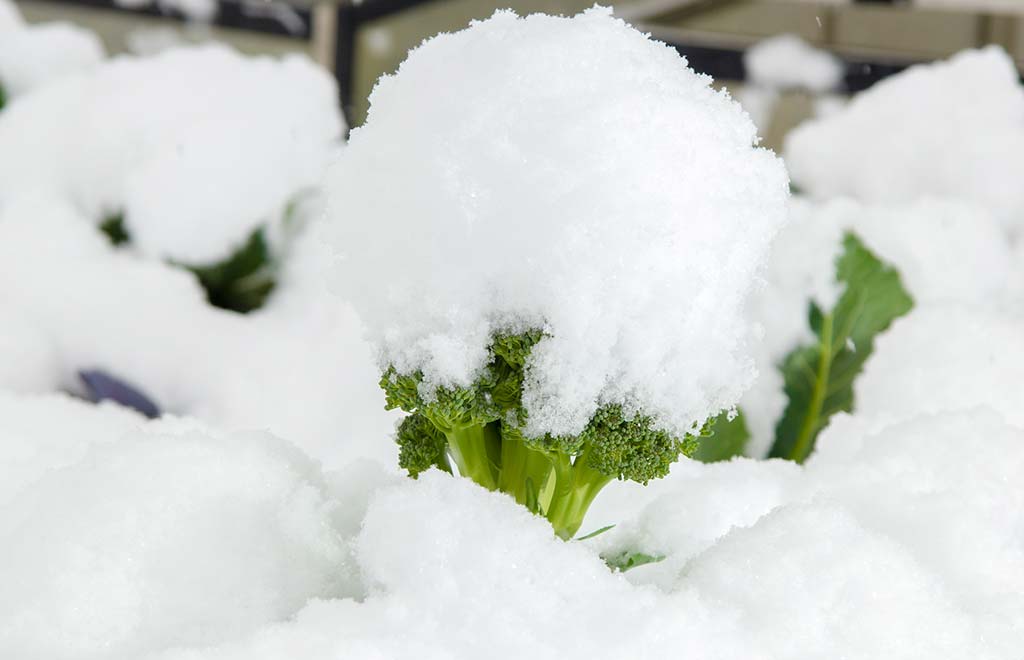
(481, 429)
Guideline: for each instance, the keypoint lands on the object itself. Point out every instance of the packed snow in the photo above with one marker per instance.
(616, 201)
(197, 147)
(574, 175)
(948, 128)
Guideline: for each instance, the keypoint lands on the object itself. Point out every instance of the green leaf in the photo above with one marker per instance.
(727, 438)
(819, 378)
(113, 227)
(3, 97)
(241, 282)
(629, 559)
(596, 532)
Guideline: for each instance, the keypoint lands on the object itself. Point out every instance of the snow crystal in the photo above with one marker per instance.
(788, 62)
(945, 250)
(75, 302)
(948, 357)
(197, 147)
(40, 54)
(575, 176)
(949, 128)
(161, 540)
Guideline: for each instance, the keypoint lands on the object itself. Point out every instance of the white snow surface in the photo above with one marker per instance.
(186, 539)
(577, 177)
(950, 128)
(944, 357)
(171, 543)
(196, 146)
(788, 62)
(39, 54)
(946, 251)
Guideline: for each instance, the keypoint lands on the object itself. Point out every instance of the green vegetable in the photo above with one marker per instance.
(727, 438)
(113, 227)
(3, 97)
(480, 429)
(627, 559)
(241, 282)
(819, 378)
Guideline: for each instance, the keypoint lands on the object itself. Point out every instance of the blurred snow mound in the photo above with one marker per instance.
(948, 128)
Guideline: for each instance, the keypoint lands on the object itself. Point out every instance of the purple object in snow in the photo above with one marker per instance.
(102, 386)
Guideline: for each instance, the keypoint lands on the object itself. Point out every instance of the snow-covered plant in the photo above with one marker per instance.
(563, 222)
(196, 156)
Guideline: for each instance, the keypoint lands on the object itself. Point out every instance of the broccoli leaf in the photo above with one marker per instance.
(241, 282)
(629, 559)
(728, 438)
(113, 227)
(819, 378)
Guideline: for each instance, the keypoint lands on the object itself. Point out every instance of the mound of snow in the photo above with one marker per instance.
(949, 357)
(40, 54)
(577, 177)
(163, 540)
(950, 128)
(197, 147)
(788, 62)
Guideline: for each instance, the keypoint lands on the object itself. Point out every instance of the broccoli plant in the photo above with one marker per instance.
(480, 429)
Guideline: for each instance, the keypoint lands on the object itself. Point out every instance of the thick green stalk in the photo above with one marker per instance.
(472, 449)
(524, 471)
(812, 421)
(576, 487)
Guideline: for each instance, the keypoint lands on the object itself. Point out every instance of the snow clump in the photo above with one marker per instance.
(576, 177)
(196, 147)
(157, 540)
(39, 54)
(788, 62)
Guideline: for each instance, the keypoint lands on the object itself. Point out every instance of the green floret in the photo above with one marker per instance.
(480, 428)
(421, 446)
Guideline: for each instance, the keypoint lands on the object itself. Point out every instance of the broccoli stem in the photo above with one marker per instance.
(474, 449)
(524, 471)
(576, 486)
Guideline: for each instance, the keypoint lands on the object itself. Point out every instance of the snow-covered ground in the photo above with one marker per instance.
(574, 176)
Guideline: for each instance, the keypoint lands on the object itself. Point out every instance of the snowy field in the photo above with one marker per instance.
(706, 401)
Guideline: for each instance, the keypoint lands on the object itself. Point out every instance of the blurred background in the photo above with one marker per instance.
(360, 40)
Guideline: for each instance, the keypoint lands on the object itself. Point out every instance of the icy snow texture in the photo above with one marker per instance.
(949, 357)
(949, 128)
(40, 54)
(196, 146)
(298, 368)
(789, 62)
(187, 539)
(576, 176)
(945, 250)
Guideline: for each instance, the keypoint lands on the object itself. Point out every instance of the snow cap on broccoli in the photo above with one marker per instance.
(566, 180)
